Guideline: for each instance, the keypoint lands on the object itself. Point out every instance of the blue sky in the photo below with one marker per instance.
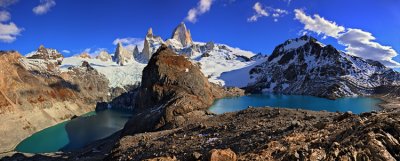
(255, 25)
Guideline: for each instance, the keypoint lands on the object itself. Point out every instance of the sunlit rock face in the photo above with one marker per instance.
(182, 35)
(122, 56)
(151, 44)
(104, 56)
(35, 93)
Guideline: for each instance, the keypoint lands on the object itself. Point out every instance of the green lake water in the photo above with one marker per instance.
(76, 133)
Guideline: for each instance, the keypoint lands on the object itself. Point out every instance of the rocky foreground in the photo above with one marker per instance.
(257, 134)
(272, 134)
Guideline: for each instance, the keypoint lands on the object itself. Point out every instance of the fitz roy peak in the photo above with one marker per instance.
(306, 66)
(182, 35)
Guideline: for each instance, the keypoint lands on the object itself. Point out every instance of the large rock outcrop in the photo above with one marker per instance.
(173, 91)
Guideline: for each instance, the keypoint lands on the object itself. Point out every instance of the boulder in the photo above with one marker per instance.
(222, 155)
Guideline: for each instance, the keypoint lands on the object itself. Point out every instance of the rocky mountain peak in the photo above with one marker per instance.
(305, 66)
(151, 44)
(104, 56)
(46, 54)
(136, 51)
(182, 35)
(122, 56)
(149, 32)
(85, 55)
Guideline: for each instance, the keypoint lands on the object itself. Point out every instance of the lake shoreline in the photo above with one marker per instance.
(102, 147)
(20, 125)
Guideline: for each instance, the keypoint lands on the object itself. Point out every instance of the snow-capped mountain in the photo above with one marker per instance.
(151, 44)
(306, 66)
(221, 63)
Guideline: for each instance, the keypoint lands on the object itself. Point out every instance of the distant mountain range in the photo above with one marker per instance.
(124, 67)
(307, 67)
(298, 66)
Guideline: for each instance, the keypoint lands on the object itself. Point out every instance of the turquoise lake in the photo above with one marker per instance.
(355, 104)
(75, 133)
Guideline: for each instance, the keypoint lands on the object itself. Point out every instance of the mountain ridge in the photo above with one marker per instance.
(306, 66)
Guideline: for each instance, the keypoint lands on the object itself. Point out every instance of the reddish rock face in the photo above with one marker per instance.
(35, 83)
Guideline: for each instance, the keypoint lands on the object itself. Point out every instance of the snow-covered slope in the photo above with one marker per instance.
(305, 66)
(118, 76)
(225, 65)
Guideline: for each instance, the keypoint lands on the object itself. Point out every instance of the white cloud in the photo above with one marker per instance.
(361, 43)
(261, 11)
(4, 16)
(93, 52)
(44, 7)
(202, 7)
(130, 43)
(9, 32)
(358, 42)
(318, 24)
(6, 3)
(66, 51)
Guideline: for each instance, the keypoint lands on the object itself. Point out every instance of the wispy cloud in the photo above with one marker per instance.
(9, 32)
(44, 7)
(261, 11)
(358, 42)
(288, 1)
(318, 24)
(66, 51)
(6, 3)
(202, 7)
(130, 43)
(4, 16)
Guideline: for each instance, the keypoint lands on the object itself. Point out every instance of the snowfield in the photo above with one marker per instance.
(225, 65)
(119, 76)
